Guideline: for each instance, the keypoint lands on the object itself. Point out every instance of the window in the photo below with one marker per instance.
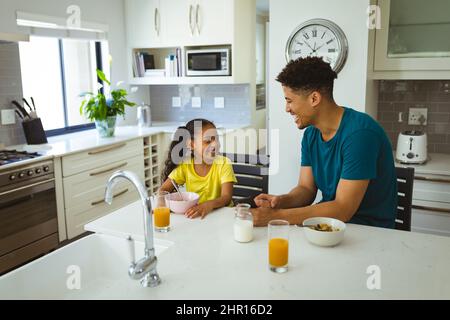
(55, 72)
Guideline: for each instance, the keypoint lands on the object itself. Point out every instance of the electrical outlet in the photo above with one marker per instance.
(8, 116)
(196, 102)
(418, 116)
(219, 102)
(176, 102)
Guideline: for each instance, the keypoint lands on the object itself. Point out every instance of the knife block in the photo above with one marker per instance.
(34, 131)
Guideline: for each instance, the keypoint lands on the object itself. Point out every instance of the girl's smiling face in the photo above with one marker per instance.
(206, 144)
(301, 106)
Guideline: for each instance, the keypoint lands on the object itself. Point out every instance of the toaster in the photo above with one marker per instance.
(412, 147)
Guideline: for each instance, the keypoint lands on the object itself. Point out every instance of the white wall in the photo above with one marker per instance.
(110, 12)
(350, 87)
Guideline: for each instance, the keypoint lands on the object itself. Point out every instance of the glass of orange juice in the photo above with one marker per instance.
(161, 211)
(278, 245)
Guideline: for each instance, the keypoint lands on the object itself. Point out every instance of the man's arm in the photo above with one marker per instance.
(349, 195)
(302, 195)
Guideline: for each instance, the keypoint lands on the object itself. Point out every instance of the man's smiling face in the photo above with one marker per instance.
(301, 106)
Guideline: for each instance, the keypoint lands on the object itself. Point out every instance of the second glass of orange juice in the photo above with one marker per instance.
(278, 245)
(161, 211)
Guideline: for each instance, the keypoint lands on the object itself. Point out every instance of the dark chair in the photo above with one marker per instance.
(252, 176)
(405, 181)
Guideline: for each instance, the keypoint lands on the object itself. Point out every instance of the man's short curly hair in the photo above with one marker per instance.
(308, 74)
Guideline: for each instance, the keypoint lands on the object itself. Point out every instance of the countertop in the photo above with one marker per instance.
(206, 263)
(437, 164)
(66, 144)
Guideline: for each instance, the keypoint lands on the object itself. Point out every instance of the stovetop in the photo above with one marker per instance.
(10, 156)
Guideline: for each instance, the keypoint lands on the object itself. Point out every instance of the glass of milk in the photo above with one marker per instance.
(243, 223)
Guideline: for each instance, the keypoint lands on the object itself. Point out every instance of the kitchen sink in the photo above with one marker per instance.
(93, 267)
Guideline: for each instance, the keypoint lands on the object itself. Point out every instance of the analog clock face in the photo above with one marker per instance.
(318, 38)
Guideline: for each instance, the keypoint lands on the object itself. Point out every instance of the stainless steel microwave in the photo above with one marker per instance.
(209, 62)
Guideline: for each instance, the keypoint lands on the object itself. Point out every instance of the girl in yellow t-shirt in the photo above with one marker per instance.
(193, 160)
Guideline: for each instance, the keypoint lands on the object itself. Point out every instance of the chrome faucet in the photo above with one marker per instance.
(144, 269)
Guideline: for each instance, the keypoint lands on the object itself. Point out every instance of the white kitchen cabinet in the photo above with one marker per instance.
(188, 24)
(412, 38)
(197, 22)
(152, 23)
(431, 204)
(90, 159)
(144, 23)
(84, 179)
(213, 21)
(178, 21)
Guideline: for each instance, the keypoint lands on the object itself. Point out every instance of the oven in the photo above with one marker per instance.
(28, 214)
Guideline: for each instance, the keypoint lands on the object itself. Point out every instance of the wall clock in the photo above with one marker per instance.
(318, 37)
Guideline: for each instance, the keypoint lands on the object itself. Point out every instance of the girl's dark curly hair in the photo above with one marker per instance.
(308, 74)
(180, 140)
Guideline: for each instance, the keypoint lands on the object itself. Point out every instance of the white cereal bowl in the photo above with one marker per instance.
(324, 238)
(177, 205)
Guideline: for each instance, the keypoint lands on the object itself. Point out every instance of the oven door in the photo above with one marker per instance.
(28, 223)
(207, 63)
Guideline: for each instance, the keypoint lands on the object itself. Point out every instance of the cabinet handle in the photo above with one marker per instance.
(27, 187)
(109, 169)
(190, 20)
(155, 21)
(117, 146)
(196, 18)
(432, 179)
(114, 196)
(159, 22)
(431, 209)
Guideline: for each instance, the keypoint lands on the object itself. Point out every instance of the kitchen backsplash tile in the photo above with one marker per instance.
(397, 97)
(10, 89)
(237, 103)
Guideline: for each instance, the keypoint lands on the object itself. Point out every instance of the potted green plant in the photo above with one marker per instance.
(102, 110)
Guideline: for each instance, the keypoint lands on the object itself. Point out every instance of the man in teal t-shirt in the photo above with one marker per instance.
(345, 154)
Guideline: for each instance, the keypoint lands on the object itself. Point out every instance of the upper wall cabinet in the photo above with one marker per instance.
(413, 36)
(144, 27)
(168, 23)
(162, 28)
(213, 20)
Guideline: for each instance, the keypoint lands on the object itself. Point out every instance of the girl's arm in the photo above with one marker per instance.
(167, 186)
(208, 206)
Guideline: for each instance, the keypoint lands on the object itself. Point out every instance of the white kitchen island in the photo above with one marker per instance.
(199, 259)
(205, 262)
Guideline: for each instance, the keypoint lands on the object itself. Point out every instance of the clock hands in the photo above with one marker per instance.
(309, 46)
(320, 47)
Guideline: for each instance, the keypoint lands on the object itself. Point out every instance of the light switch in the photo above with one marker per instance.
(196, 102)
(176, 102)
(8, 116)
(219, 102)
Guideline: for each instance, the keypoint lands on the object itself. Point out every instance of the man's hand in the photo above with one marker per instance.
(262, 216)
(268, 201)
(200, 210)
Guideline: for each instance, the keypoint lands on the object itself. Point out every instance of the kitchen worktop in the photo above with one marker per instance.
(437, 164)
(66, 144)
(205, 262)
